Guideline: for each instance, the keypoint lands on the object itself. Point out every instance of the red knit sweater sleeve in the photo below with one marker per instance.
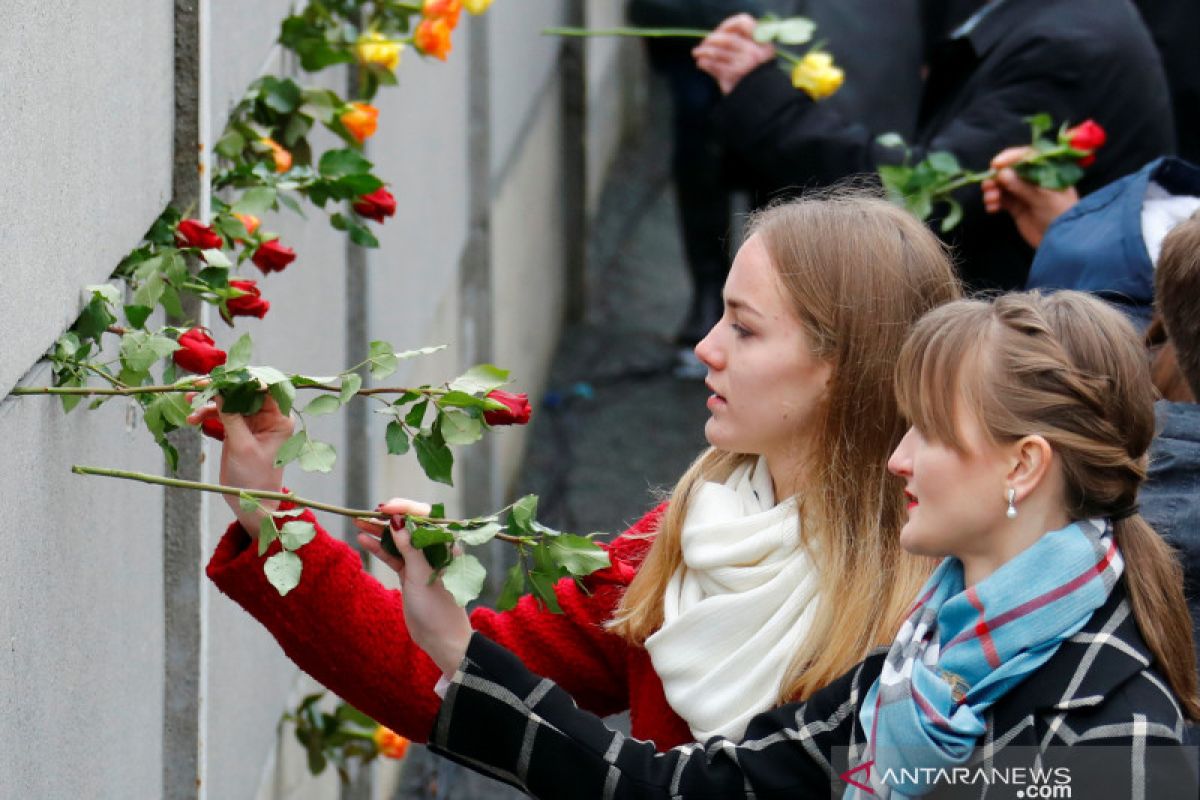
(346, 630)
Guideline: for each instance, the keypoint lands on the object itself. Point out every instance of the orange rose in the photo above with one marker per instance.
(432, 38)
(390, 743)
(361, 120)
(250, 222)
(448, 10)
(283, 159)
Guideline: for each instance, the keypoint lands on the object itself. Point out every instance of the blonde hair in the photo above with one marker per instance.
(1070, 368)
(859, 272)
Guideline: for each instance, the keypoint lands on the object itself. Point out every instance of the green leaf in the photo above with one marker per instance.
(280, 95)
(139, 350)
(462, 400)
(435, 458)
(239, 354)
(322, 404)
(136, 316)
(95, 318)
(242, 398)
(513, 588)
(290, 450)
(382, 360)
(105, 291)
(891, 139)
(267, 533)
(247, 503)
(421, 351)
(317, 456)
(268, 375)
(1039, 124)
(463, 578)
(416, 414)
(296, 534)
(397, 439)
(230, 144)
(350, 385)
(796, 30)
(388, 543)
(216, 258)
(170, 302)
(481, 535)
(256, 201)
(336, 163)
(522, 514)
(285, 396)
(578, 555)
(459, 428)
(283, 571)
(480, 379)
(944, 162)
(149, 291)
(543, 590)
(953, 216)
(362, 236)
(425, 535)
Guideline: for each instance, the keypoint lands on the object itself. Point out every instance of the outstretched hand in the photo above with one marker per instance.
(1033, 208)
(730, 53)
(248, 452)
(435, 621)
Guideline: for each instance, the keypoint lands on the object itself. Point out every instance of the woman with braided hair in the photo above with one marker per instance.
(1055, 619)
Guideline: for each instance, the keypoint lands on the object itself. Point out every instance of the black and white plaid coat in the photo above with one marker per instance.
(1099, 689)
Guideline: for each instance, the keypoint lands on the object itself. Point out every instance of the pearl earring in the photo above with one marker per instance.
(1011, 513)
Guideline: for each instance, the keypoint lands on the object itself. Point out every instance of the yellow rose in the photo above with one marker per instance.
(817, 76)
(375, 48)
(476, 6)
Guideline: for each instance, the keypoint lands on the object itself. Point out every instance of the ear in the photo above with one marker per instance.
(1030, 464)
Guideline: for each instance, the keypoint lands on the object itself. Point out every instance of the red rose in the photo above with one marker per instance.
(249, 304)
(194, 233)
(213, 428)
(272, 257)
(197, 352)
(1087, 136)
(517, 412)
(376, 205)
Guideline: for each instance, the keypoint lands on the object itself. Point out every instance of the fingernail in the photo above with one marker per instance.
(379, 507)
(397, 523)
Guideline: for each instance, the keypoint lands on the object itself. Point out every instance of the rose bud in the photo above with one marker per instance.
(279, 154)
(517, 412)
(448, 10)
(249, 222)
(197, 352)
(272, 257)
(213, 428)
(376, 49)
(390, 743)
(1087, 136)
(194, 233)
(376, 205)
(249, 304)
(432, 38)
(360, 120)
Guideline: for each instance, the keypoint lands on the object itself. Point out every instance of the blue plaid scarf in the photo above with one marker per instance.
(961, 650)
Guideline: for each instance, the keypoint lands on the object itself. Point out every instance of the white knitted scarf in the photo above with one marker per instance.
(737, 609)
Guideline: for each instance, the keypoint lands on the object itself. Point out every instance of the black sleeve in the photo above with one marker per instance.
(500, 719)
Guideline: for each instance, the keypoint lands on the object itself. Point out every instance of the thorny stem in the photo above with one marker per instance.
(259, 494)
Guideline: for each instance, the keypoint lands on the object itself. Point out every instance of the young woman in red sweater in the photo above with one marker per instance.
(774, 567)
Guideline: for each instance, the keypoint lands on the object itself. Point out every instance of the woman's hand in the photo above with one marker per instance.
(435, 622)
(1032, 207)
(248, 453)
(730, 53)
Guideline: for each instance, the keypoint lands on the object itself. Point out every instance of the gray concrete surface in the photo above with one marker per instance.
(598, 463)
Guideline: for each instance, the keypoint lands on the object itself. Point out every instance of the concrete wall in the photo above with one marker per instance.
(478, 152)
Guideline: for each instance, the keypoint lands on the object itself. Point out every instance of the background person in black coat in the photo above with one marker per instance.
(1013, 59)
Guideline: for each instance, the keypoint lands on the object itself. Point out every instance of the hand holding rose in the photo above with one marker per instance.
(248, 453)
(1032, 207)
(730, 53)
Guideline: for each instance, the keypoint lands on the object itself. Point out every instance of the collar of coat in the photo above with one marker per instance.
(1089, 666)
